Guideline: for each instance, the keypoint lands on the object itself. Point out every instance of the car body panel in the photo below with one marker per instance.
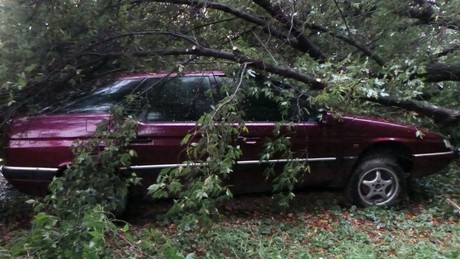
(40, 147)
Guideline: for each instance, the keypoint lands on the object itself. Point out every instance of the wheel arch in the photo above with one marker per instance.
(395, 150)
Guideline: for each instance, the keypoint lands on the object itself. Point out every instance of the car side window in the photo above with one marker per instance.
(178, 99)
(301, 109)
(261, 108)
(264, 109)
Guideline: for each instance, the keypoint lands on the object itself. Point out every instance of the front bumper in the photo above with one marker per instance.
(430, 163)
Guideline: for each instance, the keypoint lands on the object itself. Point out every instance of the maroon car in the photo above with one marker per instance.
(371, 158)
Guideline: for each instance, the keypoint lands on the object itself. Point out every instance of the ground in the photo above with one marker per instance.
(318, 224)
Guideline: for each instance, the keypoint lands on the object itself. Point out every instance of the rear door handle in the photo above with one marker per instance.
(249, 140)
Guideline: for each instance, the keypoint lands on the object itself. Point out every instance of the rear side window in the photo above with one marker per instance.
(259, 107)
(178, 99)
(262, 108)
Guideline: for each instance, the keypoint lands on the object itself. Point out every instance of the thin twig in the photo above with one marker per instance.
(343, 17)
(455, 205)
(240, 81)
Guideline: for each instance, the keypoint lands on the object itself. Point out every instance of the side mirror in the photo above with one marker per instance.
(327, 118)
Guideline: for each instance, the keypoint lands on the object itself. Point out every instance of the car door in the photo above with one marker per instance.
(311, 141)
(174, 105)
(324, 151)
(261, 117)
(266, 126)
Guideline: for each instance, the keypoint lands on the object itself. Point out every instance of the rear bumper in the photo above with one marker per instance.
(29, 180)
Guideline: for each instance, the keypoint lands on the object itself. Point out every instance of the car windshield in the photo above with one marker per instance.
(102, 99)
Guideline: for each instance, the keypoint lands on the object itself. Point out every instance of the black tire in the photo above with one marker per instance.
(377, 181)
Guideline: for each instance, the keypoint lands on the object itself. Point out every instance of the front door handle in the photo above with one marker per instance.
(142, 140)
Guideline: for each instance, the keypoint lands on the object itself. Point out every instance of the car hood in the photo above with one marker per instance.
(366, 126)
(55, 126)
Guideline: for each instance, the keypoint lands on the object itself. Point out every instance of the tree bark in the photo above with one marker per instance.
(294, 27)
(239, 57)
(426, 15)
(439, 114)
(438, 72)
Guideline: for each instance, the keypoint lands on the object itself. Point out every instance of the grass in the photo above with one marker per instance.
(329, 232)
(318, 225)
(322, 225)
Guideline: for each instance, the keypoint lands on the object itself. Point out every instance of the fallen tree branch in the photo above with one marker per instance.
(294, 27)
(232, 56)
(439, 114)
(378, 59)
(426, 15)
(262, 23)
(450, 49)
(438, 72)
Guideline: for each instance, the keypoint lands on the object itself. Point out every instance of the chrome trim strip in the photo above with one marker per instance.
(244, 162)
(161, 166)
(23, 168)
(434, 154)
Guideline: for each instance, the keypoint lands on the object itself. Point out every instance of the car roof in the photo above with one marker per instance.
(166, 74)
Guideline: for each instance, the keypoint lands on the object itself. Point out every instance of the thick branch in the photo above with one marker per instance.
(302, 45)
(200, 50)
(294, 26)
(426, 14)
(450, 49)
(438, 72)
(298, 42)
(262, 23)
(379, 60)
(439, 114)
(232, 56)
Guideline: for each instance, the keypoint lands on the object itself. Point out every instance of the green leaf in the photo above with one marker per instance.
(186, 139)
(125, 228)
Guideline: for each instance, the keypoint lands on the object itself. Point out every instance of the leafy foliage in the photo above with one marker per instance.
(97, 161)
(73, 220)
(316, 225)
(292, 173)
(370, 49)
(197, 185)
(349, 55)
